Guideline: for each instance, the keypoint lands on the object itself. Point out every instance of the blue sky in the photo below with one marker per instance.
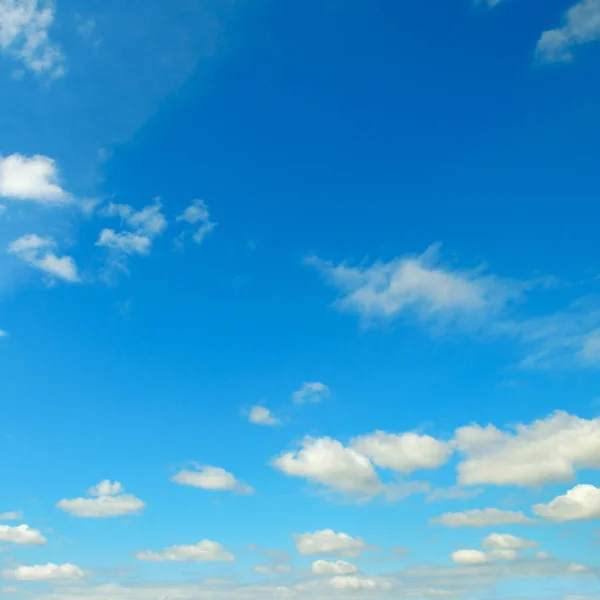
(299, 299)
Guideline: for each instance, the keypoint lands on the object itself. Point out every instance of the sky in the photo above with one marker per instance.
(299, 300)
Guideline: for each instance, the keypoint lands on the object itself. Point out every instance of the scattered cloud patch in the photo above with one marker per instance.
(582, 503)
(211, 478)
(260, 415)
(12, 515)
(453, 493)
(3, 334)
(339, 567)
(198, 214)
(22, 535)
(204, 551)
(469, 557)
(106, 499)
(486, 517)
(505, 541)
(311, 393)
(124, 242)
(49, 572)
(329, 542)
(272, 569)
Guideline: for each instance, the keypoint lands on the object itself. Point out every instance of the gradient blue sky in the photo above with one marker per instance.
(284, 284)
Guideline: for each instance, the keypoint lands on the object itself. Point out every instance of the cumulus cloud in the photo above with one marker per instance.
(505, 541)
(35, 251)
(149, 221)
(34, 178)
(546, 451)
(328, 541)
(12, 515)
(49, 572)
(107, 499)
(124, 241)
(213, 479)
(24, 35)
(504, 554)
(581, 25)
(260, 415)
(582, 503)
(22, 535)
(198, 214)
(486, 517)
(406, 452)
(469, 557)
(204, 551)
(339, 567)
(328, 462)
(354, 583)
(311, 393)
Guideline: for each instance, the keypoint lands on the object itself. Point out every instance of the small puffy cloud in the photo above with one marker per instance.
(505, 541)
(406, 452)
(197, 213)
(581, 25)
(486, 517)
(22, 535)
(272, 569)
(125, 242)
(504, 554)
(34, 178)
(354, 583)
(35, 251)
(328, 541)
(12, 515)
(546, 451)
(260, 415)
(582, 503)
(24, 35)
(469, 557)
(339, 567)
(107, 499)
(49, 572)
(328, 462)
(204, 551)
(149, 221)
(213, 479)
(311, 393)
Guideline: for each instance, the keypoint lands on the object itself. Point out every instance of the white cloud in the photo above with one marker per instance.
(505, 541)
(260, 415)
(582, 503)
(339, 567)
(328, 541)
(311, 393)
(149, 221)
(354, 583)
(486, 517)
(406, 452)
(272, 569)
(581, 25)
(107, 500)
(417, 284)
(22, 535)
(204, 551)
(34, 250)
(24, 26)
(329, 463)
(546, 451)
(124, 241)
(211, 478)
(504, 554)
(12, 515)
(49, 572)
(34, 178)
(469, 557)
(197, 213)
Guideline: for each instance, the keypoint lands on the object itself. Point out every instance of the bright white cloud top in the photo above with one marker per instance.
(22, 535)
(49, 572)
(213, 479)
(204, 551)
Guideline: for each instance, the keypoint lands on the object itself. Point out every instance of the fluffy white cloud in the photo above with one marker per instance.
(211, 478)
(417, 284)
(272, 569)
(469, 557)
(149, 221)
(124, 241)
(204, 551)
(22, 535)
(354, 583)
(311, 393)
(260, 415)
(328, 541)
(406, 452)
(581, 25)
(107, 500)
(34, 178)
(35, 251)
(504, 554)
(49, 572)
(505, 541)
(24, 27)
(582, 503)
(339, 567)
(197, 213)
(486, 517)
(12, 515)
(545, 451)
(329, 463)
